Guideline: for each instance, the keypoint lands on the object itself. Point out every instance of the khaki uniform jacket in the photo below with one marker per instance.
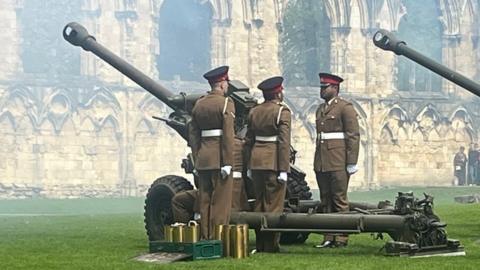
(335, 154)
(213, 111)
(270, 118)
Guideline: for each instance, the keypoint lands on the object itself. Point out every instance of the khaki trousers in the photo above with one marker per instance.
(214, 201)
(269, 197)
(333, 195)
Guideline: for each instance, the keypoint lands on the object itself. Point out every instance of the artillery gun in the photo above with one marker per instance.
(157, 203)
(411, 223)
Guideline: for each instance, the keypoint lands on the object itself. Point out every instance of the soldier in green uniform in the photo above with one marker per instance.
(267, 150)
(211, 137)
(336, 152)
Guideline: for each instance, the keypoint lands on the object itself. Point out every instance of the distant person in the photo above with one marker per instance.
(476, 180)
(459, 162)
(473, 156)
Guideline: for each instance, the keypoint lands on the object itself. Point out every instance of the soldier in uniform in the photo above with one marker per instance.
(336, 151)
(239, 194)
(184, 206)
(459, 162)
(211, 137)
(185, 203)
(267, 149)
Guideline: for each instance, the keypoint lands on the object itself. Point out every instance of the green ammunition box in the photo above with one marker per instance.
(201, 250)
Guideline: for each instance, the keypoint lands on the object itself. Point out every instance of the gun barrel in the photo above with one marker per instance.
(77, 35)
(349, 223)
(387, 41)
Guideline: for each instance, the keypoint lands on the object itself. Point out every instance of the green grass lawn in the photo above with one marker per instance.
(108, 233)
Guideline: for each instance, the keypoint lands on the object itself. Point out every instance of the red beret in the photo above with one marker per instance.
(217, 75)
(271, 85)
(327, 78)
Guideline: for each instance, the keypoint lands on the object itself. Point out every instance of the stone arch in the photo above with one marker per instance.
(98, 105)
(461, 125)
(58, 108)
(427, 121)
(305, 42)
(421, 29)
(102, 95)
(339, 12)
(7, 117)
(23, 105)
(396, 122)
(145, 125)
(109, 121)
(151, 106)
(450, 16)
(364, 12)
(185, 41)
(222, 9)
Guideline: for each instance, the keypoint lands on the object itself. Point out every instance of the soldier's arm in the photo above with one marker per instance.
(284, 126)
(249, 141)
(228, 136)
(352, 133)
(194, 136)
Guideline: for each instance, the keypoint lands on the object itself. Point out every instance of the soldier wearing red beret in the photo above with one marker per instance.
(211, 137)
(267, 150)
(336, 152)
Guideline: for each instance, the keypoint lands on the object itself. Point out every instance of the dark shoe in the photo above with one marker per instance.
(325, 244)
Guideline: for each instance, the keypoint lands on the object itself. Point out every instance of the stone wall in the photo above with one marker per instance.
(91, 134)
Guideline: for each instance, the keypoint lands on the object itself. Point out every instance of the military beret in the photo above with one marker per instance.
(326, 79)
(217, 75)
(271, 85)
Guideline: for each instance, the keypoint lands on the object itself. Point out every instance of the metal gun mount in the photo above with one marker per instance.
(414, 228)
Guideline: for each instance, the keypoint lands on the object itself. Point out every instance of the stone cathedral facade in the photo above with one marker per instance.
(71, 125)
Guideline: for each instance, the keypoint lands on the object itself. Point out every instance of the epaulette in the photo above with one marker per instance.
(282, 106)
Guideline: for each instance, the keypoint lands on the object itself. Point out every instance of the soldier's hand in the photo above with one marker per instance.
(225, 171)
(195, 172)
(249, 174)
(282, 177)
(352, 168)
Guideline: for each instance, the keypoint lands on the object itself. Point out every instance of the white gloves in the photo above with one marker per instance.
(249, 173)
(225, 171)
(195, 172)
(352, 168)
(282, 177)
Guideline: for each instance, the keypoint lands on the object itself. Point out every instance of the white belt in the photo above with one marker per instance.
(212, 133)
(237, 174)
(266, 138)
(331, 135)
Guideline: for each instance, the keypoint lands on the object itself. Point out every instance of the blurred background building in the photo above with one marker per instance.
(70, 125)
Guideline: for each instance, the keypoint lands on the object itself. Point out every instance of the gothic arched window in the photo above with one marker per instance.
(184, 38)
(43, 50)
(305, 42)
(421, 29)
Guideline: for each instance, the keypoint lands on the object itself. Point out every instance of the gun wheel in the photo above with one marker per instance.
(158, 210)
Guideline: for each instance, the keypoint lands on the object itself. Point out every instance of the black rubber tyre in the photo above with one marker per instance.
(158, 210)
(296, 187)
